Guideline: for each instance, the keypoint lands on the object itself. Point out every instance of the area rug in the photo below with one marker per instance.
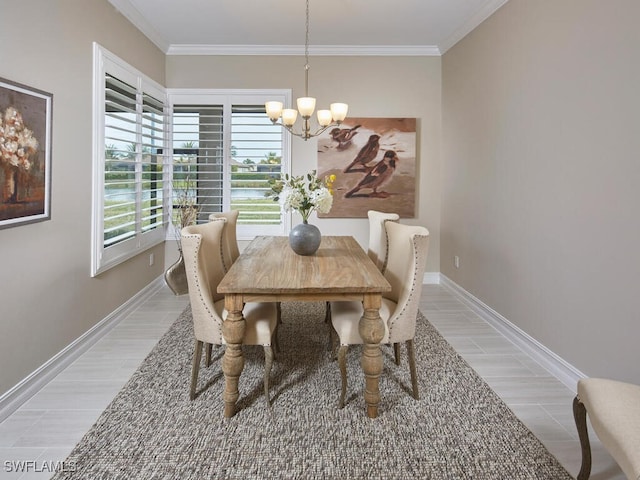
(459, 429)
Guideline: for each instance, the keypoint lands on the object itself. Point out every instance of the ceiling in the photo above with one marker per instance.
(277, 27)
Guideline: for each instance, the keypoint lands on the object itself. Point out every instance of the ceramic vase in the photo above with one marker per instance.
(304, 239)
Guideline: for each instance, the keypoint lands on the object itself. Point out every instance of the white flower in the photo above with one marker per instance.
(322, 199)
(303, 194)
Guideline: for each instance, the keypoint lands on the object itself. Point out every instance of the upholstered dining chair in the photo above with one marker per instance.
(408, 247)
(202, 247)
(230, 253)
(230, 249)
(614, 411)
(377, 250)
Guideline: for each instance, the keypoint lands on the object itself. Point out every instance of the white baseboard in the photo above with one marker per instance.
(431, 278)
(558, 367)
(23, 391)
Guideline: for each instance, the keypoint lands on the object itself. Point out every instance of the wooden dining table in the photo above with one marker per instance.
(269, 271)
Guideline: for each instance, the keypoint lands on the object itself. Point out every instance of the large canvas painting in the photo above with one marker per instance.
(25, 154)
(374, 161)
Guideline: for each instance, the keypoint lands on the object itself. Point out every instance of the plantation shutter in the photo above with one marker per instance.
(224, 153)
(153, 138)
(256, 157)
(130, 170)
(198, 158)
(133, 175)
(120, 161)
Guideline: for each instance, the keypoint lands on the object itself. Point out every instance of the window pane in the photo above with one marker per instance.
(133, 180)
(198, 159)
(120, 169)
(256, 157)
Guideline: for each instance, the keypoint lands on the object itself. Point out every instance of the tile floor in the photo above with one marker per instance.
(45, 429)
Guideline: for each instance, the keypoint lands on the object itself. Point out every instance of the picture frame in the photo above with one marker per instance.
(375, 166)
(25, 154)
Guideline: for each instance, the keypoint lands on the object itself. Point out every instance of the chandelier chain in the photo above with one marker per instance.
(306, 54)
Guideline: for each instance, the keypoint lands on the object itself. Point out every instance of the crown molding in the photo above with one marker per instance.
(314, 50)
(126, 8)
(132, 14)
(467, 27)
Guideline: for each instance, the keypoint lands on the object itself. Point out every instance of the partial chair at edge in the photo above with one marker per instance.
(614, 411)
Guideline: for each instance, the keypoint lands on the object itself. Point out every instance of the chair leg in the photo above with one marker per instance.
(580, 417)
(207, 355)
(275, 342)
(268, 361)
(412, 367)
(333, 342)
(396, 352)
(342, 361)
(197, 354)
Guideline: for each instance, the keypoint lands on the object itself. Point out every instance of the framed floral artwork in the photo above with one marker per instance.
(25, 154)
(374, 163)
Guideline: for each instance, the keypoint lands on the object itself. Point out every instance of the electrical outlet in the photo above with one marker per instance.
(456, 261)
(151, 259)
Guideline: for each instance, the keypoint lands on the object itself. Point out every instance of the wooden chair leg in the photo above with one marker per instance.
(275, 342)
(333, 342)
(268, 362)
(207, 355)
(396, 352)
(580, 417)
(342, 361)
(412, 367)
(197, 354)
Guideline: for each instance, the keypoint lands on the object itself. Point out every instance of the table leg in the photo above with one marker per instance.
(371, 330)
(233, 362)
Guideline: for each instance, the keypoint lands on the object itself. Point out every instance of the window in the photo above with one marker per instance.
(225, 150)
(130, 135)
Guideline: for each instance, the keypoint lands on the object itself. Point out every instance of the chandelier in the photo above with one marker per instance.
(306, 105)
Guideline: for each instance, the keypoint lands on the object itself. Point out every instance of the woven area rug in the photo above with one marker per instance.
(459, 429)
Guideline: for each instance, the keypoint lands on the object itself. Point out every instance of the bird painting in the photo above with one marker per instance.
(379, 175)
(343, 136)
(366, 154)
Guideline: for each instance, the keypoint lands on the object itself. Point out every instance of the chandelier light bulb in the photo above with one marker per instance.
(306, 106)
(324, 117)
(274, 110)
(339, 111)
(289, 116)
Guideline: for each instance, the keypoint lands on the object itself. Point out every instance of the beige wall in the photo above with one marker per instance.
(372, 86)
(541, 175)
(47, 298)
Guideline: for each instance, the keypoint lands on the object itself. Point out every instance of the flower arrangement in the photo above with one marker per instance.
(303, 194)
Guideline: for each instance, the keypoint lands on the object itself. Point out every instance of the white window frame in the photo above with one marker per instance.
(227, 98)
(103, 258)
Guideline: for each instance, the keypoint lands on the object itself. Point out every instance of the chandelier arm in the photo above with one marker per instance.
(322, 129)
(306, 134)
